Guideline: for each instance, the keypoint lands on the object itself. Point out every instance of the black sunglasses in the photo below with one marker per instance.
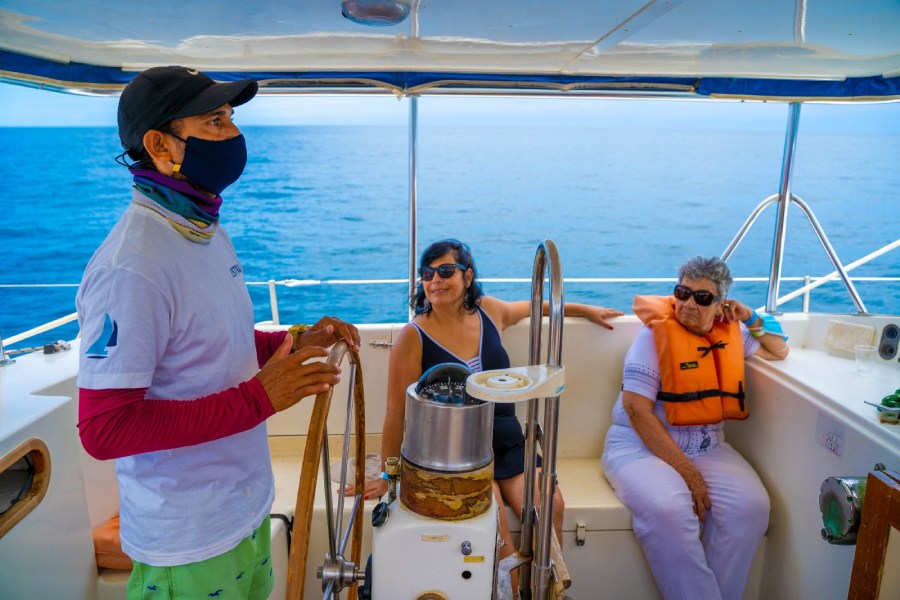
(701, 297)
(446, 271)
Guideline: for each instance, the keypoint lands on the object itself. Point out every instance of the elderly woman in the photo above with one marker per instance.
(456, 322)
(698, 508)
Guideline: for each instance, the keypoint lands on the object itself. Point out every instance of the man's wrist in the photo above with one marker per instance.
(296, 331)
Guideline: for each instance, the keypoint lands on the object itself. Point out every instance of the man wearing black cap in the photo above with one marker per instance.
(174, 382)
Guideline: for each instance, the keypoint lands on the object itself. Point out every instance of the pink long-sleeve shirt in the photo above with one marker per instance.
(114, 423)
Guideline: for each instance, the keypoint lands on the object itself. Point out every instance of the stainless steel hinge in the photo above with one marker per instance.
(381, 343)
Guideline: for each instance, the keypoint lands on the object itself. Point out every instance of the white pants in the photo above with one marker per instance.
(690, 559)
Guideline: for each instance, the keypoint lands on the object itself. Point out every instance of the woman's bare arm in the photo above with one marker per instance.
(505, 314)
(404, 368)
(654, 435)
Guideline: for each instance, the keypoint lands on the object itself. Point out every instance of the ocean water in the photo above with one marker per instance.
(332, 203)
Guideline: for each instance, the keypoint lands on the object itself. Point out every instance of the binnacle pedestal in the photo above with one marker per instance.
(440, 539)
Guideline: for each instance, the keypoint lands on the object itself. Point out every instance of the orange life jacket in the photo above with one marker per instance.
(702, 376)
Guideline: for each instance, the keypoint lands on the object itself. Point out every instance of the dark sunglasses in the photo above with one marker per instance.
(446, 271)
(701, 297)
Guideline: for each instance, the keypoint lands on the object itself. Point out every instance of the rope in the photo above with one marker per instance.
(46, 348)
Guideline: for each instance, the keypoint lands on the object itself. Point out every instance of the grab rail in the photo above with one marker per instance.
(40, 329)
(537, 584)
(834, 275)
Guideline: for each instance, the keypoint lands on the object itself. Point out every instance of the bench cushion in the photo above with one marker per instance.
(588, 496)
(108, 546)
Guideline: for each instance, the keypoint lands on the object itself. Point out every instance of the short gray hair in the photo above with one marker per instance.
(713, 268)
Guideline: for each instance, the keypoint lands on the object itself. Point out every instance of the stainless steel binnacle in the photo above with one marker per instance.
(446, 437)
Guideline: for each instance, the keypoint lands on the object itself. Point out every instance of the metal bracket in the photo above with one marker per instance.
(504, 577)
(580, 530)
(381, 343)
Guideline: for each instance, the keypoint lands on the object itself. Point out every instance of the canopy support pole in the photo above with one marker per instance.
(413, 207)
(784, 198)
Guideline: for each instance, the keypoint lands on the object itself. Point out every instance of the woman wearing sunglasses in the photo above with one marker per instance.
(455, 322)
(698, 508)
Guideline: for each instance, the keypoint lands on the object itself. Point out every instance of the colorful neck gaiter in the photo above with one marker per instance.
(192, 214)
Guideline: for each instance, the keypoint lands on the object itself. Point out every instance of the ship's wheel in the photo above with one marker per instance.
(337, 572)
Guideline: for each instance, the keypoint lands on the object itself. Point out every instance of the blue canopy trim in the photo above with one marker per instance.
(38, 72)
(874, 87)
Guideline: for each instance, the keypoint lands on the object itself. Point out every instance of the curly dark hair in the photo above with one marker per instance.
(463, 256)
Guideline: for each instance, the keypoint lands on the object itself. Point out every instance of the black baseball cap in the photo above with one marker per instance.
(160, 94)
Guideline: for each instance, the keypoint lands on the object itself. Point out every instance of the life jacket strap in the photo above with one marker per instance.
(692, 396)
(720, 345)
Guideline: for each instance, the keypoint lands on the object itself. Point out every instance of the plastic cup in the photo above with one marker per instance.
(865, 359)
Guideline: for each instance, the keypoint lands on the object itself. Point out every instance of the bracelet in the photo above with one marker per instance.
(752, 319)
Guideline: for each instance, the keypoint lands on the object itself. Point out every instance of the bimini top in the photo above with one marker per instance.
(803, 50)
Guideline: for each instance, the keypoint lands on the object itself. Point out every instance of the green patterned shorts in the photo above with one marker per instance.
(243, 572)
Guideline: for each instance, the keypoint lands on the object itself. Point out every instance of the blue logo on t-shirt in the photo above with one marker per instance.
(107, 339)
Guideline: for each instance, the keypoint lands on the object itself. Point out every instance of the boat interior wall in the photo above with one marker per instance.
(796, 437)
(59, 524)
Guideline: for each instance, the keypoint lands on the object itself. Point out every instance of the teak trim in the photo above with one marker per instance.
(880, 513)
(40, 455)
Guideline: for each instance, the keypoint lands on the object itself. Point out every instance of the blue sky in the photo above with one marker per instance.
(22, 106)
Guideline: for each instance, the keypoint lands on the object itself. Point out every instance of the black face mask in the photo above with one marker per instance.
(214, 165)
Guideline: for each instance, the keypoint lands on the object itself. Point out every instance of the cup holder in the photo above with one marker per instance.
(890, 337)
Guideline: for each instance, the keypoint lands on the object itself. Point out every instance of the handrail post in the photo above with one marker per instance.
(413, 169)
(832, 255)
(806, 280)
(3, 359)
(273, 302)
(822, 280)
(739, 236)
(413, 195)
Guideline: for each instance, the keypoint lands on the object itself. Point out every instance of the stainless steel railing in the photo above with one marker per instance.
(536, 584)
(810, 283)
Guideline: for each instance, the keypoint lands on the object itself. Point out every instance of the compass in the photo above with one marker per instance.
(445, 383)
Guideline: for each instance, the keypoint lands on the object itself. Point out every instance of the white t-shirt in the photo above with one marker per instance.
(160, 311)
(641, 376)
